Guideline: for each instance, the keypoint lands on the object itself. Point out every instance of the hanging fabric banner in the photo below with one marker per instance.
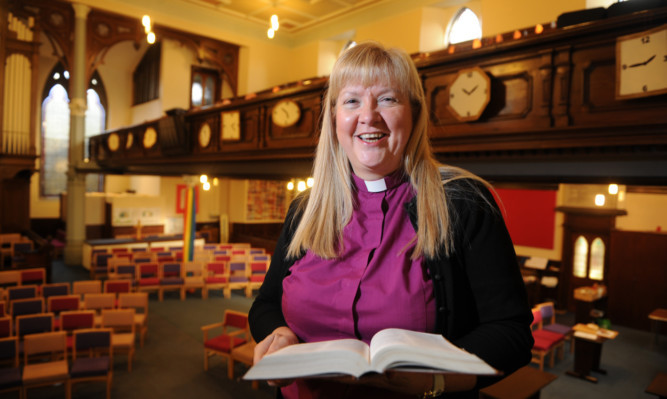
(189, 225)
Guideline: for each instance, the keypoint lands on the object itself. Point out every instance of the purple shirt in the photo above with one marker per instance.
(373, 284)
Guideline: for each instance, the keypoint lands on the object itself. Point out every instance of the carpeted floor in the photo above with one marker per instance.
(170, 365)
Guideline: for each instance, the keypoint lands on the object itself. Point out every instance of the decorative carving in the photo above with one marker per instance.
(77, 107)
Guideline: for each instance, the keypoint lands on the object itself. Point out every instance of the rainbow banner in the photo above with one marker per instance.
(189, 225)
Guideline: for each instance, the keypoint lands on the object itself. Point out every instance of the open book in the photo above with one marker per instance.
(391, 348)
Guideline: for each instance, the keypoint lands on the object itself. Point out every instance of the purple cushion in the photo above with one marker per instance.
(89, 367)
(171, 281)
(558, 328)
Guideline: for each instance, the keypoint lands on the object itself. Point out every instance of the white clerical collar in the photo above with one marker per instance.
(376, 186)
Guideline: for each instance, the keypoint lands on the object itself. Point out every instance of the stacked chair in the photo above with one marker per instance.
(547, 343)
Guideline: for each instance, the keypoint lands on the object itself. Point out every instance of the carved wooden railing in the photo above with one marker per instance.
(552, 96)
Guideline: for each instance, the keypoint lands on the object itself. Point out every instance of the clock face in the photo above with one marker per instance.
(641, 64)
(204, 135)
(231, 125)
(286, 113)
(150, 137)
(469, 94)
(113, 141)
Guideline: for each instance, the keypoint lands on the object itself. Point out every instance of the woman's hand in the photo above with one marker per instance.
(279, 338)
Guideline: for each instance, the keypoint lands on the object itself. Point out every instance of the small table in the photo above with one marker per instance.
(588, 349)
(657, 316)
(525, 383)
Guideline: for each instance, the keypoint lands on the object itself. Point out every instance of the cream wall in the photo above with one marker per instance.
(506, 16)
(646, 212)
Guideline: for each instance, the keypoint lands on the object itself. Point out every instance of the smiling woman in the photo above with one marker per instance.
(389, 238)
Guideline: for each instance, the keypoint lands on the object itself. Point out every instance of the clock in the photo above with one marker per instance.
(129, 140)
(286, 113)
(469, 94)
(231, 125)
(113, 141)
(150, 137)
(204, 135)
(641, 63)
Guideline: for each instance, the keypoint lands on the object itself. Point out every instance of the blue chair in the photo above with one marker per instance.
(92, 357)
(171, 279)
(10, 373)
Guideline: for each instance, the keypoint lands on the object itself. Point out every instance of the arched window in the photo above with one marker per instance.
(596, 266)
(464, 26)
(579, 263)
(55, 130)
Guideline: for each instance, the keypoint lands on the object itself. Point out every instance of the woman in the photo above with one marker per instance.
(388, 237)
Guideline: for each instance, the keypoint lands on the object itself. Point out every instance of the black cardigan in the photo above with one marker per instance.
(480, 296)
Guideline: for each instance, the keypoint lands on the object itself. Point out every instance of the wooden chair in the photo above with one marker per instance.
(73, 320)
(124, 271)
(549, 323)
(148, 277)
(117, 286)
(35, 276)
(546, 342)
(99, 303)
(61, 303)
(6, 327)
(10, 371)
(51, 346)
(171, 279)
(19, 251)
(238, 277)
(21, 292)
(10, 278)
(245, 353)
(257, 269)
(235, 332)
(26, 306)
(33, 324)
(92, 358)
(83, 287)
(55, 289)
(193, 277)
(99, 267)
(139, 302)
(121, 322)
(216, 277)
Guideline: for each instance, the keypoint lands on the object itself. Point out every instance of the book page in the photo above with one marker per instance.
(344, 356)
(397, 348)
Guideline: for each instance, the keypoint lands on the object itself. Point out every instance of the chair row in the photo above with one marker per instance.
(104, 259)
(67, 311)
(224, 275)
(13, 247)
(549, 336)
(12, 278)
(46, 361)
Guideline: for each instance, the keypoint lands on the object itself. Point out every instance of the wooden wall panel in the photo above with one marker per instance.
(637, 277)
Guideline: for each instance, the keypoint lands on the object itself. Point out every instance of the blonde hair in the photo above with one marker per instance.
(328, 207)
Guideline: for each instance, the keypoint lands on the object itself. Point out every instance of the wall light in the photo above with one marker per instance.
(301, 186)
(270, 33)
(206, 186)
(150, 37)
(290, 185)
(274, 22)
(599, 199)
(310, 181)
(203, 179)
(613, 189)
